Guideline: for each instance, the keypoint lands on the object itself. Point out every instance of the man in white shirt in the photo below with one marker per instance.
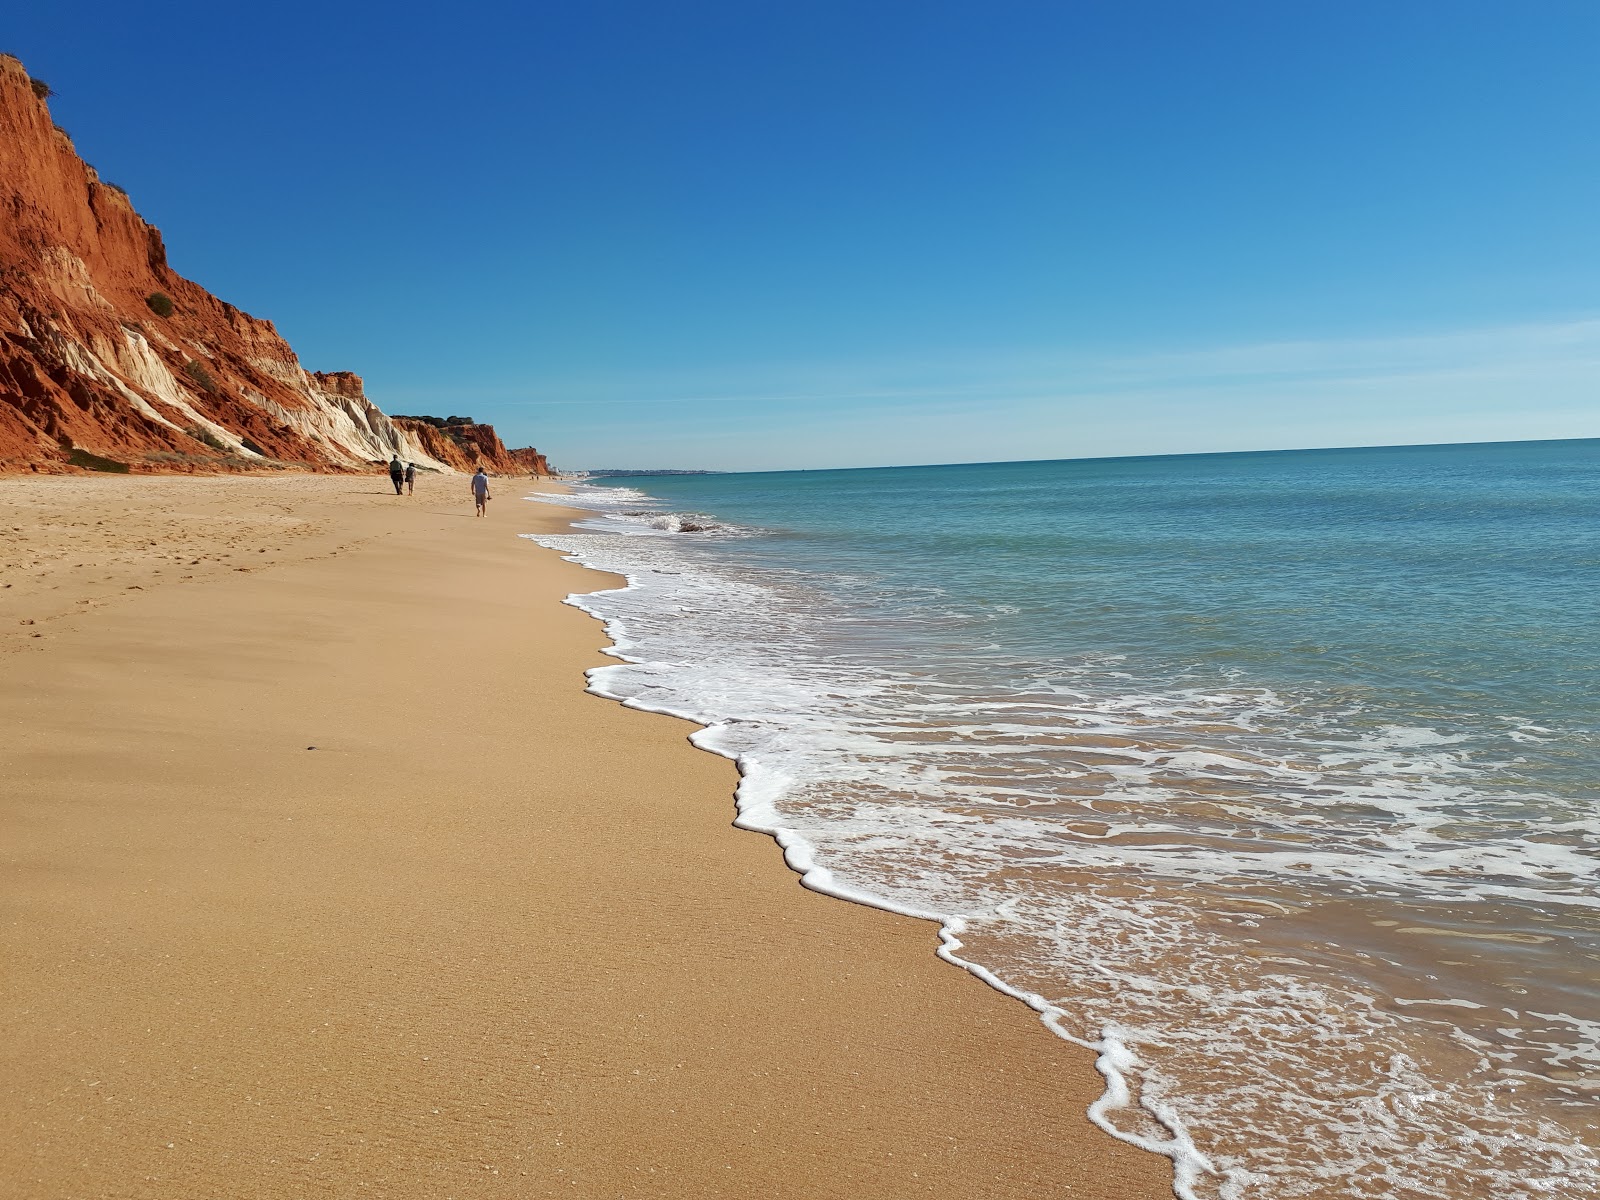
(480, 492)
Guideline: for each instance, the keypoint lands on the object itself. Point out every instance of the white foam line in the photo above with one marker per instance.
(1113, 1057)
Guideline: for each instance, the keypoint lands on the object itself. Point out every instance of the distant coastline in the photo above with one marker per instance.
(618, 473)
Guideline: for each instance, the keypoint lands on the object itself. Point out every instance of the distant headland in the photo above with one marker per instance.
(620, 473)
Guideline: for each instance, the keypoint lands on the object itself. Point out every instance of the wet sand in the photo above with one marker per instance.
(325, 878)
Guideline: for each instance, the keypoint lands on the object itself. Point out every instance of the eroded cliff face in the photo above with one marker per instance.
(466, 445)
(93, 375)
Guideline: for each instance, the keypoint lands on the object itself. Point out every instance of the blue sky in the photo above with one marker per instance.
(765, 235)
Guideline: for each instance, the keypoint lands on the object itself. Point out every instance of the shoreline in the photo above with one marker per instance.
(1166, 1137)
(494, 936)
(1234, 874)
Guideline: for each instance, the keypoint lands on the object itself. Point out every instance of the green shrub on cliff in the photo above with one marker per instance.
(160, 303)
(82, 458)
(201, 434)
(41, 89)
(196, 370)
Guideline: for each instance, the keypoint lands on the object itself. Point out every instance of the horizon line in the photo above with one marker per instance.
(999, 462)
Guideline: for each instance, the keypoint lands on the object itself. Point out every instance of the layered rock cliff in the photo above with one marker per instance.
(464, 444)
(110, 360)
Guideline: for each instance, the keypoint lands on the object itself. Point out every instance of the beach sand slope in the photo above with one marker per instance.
(325, 878)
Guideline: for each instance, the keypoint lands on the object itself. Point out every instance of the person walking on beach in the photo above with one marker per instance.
(480, 492)
(411, 478)
(397, 474)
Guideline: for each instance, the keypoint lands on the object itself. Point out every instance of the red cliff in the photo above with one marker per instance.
(465, 445)
(110, 360)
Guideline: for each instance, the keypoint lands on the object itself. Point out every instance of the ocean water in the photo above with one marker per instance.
(1275, 778)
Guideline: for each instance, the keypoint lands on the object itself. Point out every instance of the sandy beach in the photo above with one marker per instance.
(326, 878)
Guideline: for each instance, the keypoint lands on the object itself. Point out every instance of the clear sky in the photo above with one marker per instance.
(781, 233)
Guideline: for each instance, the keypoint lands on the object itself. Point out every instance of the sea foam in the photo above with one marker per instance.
(1200, 883)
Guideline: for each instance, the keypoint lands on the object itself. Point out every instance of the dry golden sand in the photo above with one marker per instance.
(491, 937)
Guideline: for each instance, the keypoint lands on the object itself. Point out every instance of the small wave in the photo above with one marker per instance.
(628, 510)
(675, 522)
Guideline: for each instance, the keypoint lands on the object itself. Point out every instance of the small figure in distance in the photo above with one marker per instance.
(411, 478)
(480, 492)
(397, 474)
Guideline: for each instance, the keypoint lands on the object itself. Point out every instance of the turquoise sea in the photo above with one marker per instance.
(1274, 777)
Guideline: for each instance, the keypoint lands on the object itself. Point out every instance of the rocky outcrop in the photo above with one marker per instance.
(466, 445)
(531, 461)
(110, 360)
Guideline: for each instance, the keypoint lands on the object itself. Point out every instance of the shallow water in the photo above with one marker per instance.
(1273, 776)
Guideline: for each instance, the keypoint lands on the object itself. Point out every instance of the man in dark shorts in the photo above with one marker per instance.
(397, 474)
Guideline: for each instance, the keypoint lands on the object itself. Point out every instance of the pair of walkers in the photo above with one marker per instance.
(403, 476)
